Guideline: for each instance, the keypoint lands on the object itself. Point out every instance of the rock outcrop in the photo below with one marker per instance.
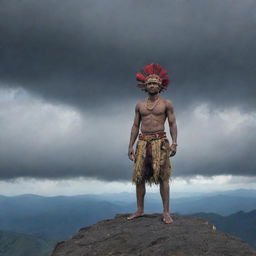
(148, 235)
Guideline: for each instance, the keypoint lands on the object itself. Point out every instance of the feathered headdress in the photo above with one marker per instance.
(153, 73)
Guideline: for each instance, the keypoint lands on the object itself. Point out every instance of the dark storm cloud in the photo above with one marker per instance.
(86, 54)
(79, 51)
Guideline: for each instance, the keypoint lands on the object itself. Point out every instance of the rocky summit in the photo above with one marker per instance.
(149, 235)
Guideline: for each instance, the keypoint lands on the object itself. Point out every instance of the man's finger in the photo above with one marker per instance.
(131, 157)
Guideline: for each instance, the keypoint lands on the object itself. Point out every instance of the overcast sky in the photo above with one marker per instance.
(68, 88)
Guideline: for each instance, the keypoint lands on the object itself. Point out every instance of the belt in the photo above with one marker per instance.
(152, 136)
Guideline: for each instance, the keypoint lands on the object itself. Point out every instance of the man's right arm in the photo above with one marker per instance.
(134, 133)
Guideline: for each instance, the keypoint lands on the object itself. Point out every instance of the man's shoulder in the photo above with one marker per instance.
(167, 102)
(140, 103)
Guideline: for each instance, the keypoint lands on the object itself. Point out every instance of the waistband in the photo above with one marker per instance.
(152, 136)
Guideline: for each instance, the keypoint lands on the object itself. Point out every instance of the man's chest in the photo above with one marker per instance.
(157, 110)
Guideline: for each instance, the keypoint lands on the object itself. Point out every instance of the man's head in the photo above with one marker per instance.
(153, 77)
(153, 84)
(152, 88)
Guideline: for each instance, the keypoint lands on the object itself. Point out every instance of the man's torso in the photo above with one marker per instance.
(152, 120)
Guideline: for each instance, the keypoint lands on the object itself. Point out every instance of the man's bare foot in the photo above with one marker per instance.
(167, 219)
(135, 215)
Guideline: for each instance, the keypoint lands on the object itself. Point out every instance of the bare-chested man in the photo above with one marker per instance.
(151, 159)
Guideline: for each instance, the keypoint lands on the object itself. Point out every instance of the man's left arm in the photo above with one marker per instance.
(172, 125)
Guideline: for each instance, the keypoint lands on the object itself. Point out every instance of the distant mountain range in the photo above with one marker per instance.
(58, 218)
(18, 244)
(240, 224)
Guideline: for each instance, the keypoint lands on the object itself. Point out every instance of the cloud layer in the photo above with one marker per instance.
(41, 139)
(67, 78)
(81, 51)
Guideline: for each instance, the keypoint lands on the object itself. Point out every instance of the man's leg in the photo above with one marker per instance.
(140, 194)
(165, 194)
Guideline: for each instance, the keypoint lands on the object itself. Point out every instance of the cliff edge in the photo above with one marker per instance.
(148, 235)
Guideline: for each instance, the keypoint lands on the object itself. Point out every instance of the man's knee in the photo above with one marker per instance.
(140, 185)
(164, 183)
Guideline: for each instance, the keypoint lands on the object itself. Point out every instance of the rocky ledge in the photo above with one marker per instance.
(148, 235)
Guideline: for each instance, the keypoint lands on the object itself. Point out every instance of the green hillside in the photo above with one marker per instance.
(19, 244)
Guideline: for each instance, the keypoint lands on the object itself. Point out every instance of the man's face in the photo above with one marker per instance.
(152, 87)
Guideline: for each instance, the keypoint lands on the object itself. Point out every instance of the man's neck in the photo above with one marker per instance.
(153, 97)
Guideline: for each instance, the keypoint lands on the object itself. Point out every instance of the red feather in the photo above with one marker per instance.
(165, 81)
(140, 77)
(149, 69)
(162, 73)
(158, 69)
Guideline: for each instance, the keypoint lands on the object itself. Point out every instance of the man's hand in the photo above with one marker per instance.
(131, 154)
(173, 149)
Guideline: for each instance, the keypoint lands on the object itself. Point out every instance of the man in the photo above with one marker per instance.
(151, 159)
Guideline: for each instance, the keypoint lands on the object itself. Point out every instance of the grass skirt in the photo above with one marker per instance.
(152, 162)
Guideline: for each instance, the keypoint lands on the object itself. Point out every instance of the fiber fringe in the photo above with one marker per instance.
(161, 164)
